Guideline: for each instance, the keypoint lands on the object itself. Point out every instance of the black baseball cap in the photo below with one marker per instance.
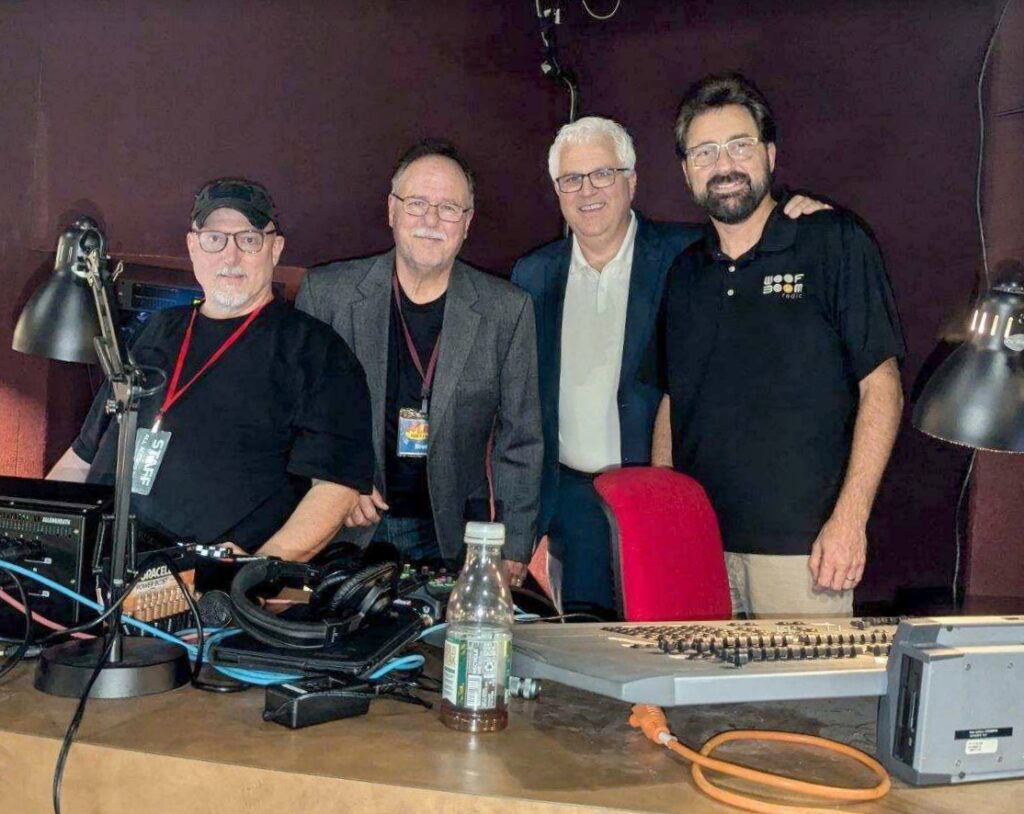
(250, 198)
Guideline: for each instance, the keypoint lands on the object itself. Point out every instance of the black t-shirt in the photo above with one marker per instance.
(762, 360)
(406, 478)
(286, 403)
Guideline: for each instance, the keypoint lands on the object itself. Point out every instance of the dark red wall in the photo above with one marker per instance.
(124, 109)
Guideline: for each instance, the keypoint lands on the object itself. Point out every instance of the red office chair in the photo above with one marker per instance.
(666, 547)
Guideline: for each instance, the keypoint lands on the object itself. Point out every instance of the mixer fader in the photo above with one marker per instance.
(742, 642)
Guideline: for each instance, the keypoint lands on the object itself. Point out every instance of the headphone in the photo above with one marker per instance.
(341, 599)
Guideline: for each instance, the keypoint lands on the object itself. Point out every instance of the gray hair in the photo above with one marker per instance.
(442, 148)
(588, 130)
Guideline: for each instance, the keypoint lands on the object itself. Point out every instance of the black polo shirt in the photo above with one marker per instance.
(762, 361)
(285, 404)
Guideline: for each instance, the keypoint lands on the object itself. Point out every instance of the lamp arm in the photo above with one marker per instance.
(126, 380)
(114, 358)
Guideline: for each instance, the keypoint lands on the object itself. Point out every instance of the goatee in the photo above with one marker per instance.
(733, 207)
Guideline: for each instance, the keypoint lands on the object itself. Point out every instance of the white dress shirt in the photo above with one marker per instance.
(593, 330)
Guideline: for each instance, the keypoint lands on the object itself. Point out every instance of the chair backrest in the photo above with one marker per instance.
(666, 546)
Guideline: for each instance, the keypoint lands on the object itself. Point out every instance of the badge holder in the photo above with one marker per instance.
(135, 665)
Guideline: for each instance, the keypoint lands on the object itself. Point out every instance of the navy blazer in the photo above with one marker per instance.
(543, 274)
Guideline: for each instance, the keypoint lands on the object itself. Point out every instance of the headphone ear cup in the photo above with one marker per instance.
(323, 593)
(350, 594)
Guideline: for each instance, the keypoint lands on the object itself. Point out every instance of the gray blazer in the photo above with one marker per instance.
(486, 379)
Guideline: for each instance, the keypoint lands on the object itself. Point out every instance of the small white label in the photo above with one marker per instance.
(450, 672)
(988, 746)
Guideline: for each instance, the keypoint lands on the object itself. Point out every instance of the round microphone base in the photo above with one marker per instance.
(146, 667)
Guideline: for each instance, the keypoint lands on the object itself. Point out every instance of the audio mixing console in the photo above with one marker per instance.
(680, 663)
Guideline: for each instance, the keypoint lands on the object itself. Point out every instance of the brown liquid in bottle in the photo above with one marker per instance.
(474, 720)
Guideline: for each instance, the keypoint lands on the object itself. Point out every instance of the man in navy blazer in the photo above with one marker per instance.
(596, 296)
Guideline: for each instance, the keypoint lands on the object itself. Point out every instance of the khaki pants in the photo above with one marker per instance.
(769, 585)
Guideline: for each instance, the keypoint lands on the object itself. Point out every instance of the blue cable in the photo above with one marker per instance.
(256, 677)
(410, 662)
(431, 629)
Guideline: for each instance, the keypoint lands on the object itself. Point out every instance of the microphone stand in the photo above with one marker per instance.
(136, 665)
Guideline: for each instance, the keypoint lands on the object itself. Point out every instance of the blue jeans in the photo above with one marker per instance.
(413, 537)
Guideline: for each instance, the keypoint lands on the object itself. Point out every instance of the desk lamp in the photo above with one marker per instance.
(976, 397)
(70, 318)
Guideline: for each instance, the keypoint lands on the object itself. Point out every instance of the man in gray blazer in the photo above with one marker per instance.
(451, 363)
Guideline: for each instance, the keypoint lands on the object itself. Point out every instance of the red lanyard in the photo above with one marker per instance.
(428, 376)
(173, 391)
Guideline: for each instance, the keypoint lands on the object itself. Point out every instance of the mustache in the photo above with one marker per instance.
(230, 271)
(424, 231)
(729, 178)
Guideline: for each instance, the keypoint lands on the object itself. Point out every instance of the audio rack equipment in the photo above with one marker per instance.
(52, 528)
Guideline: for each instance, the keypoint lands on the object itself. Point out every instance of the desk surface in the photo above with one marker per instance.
(191, 751)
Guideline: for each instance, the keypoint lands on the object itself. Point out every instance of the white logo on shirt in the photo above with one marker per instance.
(785, 286)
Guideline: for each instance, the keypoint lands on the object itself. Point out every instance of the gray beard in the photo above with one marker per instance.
(735, 207)
(229, 300)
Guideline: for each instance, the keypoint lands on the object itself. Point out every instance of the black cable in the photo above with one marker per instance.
(156, 388)
(981, 144)
(539, 598)
(76, 720)
(562, 617)
(957, 523)
(438, 684)
(14, 659)
(550, 18)
(103, 617)
(194, 680)
(116, 608)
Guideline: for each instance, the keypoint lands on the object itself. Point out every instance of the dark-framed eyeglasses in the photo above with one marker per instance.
(706, 155)
(599, 178)
(249, 241)
(418, 207)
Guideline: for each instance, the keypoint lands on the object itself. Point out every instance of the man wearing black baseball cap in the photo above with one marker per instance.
(260, 436)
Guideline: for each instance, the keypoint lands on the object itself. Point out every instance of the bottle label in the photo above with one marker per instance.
(476, 670)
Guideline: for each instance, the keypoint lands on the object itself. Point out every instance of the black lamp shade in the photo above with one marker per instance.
(976, 397)
(59, 320)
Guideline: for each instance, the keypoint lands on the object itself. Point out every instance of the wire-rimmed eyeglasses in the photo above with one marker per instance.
(249, 241)
(705, 155)
(418, 207)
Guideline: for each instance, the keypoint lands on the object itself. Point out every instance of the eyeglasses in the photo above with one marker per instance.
(418, 207)
(250, 241)
(604, 177)
(706, 155)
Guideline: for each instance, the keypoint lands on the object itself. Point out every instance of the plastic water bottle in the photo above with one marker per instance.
(478, 644)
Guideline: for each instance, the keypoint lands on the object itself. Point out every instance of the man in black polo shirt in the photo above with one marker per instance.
(265, 413)
(781, 362)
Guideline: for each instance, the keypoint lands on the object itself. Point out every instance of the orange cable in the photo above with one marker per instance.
(651, 720)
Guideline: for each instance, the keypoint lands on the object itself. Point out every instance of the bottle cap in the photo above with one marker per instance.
(488, 534)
